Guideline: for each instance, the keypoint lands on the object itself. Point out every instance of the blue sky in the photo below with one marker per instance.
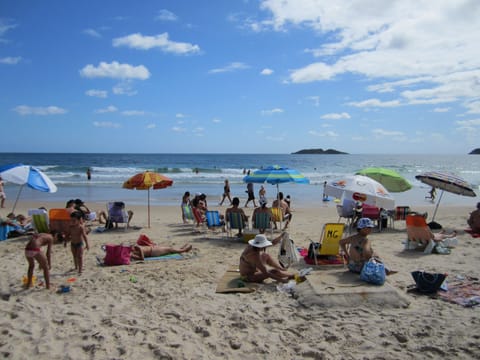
(240, 76)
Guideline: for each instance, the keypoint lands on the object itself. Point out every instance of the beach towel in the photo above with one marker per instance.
(470, 231)
(321, 259)
(462, 292)
(231, 282)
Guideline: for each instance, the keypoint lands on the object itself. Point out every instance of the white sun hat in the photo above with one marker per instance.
(260, 241)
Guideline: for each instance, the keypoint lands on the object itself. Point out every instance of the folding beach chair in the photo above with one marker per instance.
(235, 221)
(262, 222)
(188, 213)
(277, 217)
(330, 238)
(40, 220)
(399, 213)
(116, 214)
(59, 220)
(213, 220)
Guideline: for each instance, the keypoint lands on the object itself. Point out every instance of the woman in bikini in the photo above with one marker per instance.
(34, 252)
(254, 261)
(357, 248)
(140, 252)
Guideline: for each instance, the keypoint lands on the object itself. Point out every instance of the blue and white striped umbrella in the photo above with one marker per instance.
(27, 175)
(275, 175)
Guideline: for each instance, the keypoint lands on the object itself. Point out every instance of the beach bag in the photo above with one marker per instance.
(428, 283)
(373, 272)
(287, 254)
(116, 254)
(313, 249)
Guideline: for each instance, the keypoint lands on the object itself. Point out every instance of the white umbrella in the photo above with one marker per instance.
(27, 175)
(361, 188)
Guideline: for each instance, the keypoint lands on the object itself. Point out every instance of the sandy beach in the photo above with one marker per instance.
(169, 309)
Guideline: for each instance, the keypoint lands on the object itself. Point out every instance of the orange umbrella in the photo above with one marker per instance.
(145, 181)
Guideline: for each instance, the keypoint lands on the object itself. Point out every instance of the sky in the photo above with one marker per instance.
(240, 76)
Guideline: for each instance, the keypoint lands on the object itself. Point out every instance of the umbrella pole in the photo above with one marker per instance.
(18, 196)
(436, 207)
(148, 203)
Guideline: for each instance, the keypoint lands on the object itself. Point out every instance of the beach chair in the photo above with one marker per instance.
(200, 221)
(116, 214)
(188, 213)
(373, 213)
(262, 222)
(330, 238)
(277, 217)
(235, 221)
(346, 210)
(59, 220)
(397, 214)
(419, 235)
(40, 220)
(213, 220)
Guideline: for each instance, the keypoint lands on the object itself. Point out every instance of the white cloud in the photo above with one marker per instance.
(416, 43)
(5, 26)
(230, 68)
(143, 42)
(374, 103)
(166, 15)
(272, 112)
(441, 110)
(388, 133)
(108, 109)
(115, 70)
(133, 113)
(266, 71)
(180, 116)
(315, 100)
(216, 120)
(178, 129)
(30, 110)
(336, 116)
(97, 93)
(331, 134)
(124, 88)
(151, 126)
(473, 107)
(92, 33)
(9, 60)
(106, 124)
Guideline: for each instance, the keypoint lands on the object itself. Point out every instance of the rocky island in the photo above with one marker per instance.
(319, 151)
(475, 152)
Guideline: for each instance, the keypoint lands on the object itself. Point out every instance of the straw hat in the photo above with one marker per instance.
(260, 241)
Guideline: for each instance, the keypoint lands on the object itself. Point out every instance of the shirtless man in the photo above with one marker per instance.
(287, 214)
(254, 261)
(140, 252)
(78, 239)
(33, 252)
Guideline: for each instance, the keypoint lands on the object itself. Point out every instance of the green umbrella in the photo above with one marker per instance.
(391, 180)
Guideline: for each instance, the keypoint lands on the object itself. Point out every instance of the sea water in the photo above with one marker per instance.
(206, 173)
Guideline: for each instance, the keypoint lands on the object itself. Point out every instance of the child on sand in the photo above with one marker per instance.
(78, 239)
(33, 252)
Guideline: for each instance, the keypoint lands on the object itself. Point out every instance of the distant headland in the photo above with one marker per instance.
(475, 152)
(319, 151)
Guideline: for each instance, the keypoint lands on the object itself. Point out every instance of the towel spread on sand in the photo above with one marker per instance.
(231, 282)
(465, 293)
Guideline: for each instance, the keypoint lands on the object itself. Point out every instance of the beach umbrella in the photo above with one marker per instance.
(145, 181)
(276, 175)
(27, 175)
(446, 182)
(360, 188)
(390, 179)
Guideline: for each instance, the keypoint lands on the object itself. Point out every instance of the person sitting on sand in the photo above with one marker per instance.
(474, 220)
(357, 248)
(140, 252)
(33, 252)
(262, 209)
(254, 261)
(235, 209)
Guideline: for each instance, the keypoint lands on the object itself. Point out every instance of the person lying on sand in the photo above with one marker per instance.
(254, 261)
(33, 252)
(140, 252)
(358, 248)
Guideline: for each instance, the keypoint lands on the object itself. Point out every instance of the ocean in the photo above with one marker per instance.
(206, 173)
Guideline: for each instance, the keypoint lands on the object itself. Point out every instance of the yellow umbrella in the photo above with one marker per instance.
(145, 181)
